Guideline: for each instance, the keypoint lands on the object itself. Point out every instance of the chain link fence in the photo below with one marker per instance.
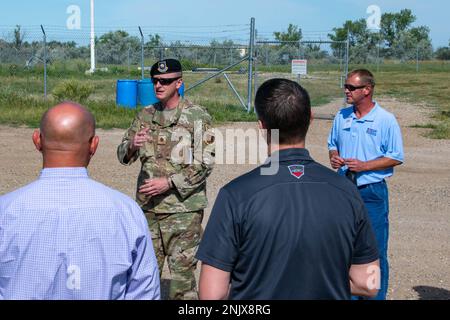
(274, 58)
(27, 52)
(325, 66)
(219, 58)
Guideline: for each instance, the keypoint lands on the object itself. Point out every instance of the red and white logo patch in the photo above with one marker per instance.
(297, 170)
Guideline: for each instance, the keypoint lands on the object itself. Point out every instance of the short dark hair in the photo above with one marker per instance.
(365, 75)
(285, 105)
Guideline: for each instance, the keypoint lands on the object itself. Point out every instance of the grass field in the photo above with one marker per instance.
(22, 103)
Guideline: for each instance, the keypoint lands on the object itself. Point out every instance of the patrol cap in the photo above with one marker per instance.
(166, 66)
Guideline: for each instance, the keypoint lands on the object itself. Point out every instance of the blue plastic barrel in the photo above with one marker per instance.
(126, 94)
(181, 90)
(146, 93)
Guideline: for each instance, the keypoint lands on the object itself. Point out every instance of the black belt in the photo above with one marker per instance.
(369, 184)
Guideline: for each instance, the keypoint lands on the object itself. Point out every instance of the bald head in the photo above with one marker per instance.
(66, 135)
(66, 125)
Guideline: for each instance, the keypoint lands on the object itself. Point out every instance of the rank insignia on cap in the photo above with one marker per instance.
(162, 67)
(166, 66)
(297, 170)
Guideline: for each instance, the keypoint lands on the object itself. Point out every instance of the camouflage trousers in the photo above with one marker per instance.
(177, 236)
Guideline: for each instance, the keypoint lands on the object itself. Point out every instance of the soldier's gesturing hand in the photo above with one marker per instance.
(154, 187)
(138, 140)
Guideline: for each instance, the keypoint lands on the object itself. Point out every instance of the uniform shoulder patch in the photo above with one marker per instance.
(297, 170)
(195, 112)
(149, 109)
(187, 104)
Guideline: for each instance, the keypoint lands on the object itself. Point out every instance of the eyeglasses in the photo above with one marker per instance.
(349, 87)
(164, 81)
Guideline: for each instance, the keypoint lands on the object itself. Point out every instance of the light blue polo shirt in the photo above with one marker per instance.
(375, 135)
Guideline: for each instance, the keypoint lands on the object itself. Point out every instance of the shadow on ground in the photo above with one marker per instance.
(432, 293)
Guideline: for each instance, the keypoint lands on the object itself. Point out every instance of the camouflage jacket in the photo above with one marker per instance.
(181, 147)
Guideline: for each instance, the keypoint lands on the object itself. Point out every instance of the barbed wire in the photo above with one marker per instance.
(167, 34)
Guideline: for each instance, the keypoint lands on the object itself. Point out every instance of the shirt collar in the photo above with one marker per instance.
(368, 117)
(290, 154)
(65, 172)
(160, 119)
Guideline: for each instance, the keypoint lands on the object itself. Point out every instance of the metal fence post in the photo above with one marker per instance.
(347, 58)
(250, 64)
(128, 57)
(417, 59)
(255, 80)
(142, 53)
(347, 53)
(299, 56)
(378, 51)
(45, 62)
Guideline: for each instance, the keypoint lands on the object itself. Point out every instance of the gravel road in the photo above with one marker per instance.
(419, 247)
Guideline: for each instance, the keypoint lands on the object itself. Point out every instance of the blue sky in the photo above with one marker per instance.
(316, 18)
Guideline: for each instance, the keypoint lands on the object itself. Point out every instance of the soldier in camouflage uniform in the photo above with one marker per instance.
(175, 143)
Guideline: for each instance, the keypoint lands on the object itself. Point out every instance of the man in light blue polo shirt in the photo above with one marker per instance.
(365, 144)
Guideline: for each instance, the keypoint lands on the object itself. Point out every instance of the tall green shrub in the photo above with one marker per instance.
(73, 90)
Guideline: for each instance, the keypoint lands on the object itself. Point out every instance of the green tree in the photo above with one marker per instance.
(18, 37)
(443, 53)
(113, 47)
(313, 51)
(361, 41)
(152, 47)
(412, 43)
(289, 48)
(356, 30)
(155, 40)
(396, 38)
(408, 41)
(393, 24)
(293, 33)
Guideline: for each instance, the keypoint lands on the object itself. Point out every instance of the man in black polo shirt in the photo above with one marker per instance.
(302, 233)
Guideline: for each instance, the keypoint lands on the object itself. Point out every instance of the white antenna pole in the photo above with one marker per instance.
(92, 39)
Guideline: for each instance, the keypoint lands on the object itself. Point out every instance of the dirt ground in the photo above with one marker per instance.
(419, 246)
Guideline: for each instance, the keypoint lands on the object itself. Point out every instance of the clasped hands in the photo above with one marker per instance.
(354, 165)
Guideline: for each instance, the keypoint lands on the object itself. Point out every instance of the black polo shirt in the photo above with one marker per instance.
(291, 235)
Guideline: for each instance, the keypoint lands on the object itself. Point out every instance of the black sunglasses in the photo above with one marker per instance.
(164, 81)
(349, 87)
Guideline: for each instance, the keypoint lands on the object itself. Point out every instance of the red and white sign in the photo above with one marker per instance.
(299, 67)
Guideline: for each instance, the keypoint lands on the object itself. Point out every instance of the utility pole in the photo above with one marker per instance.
(92, 70)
